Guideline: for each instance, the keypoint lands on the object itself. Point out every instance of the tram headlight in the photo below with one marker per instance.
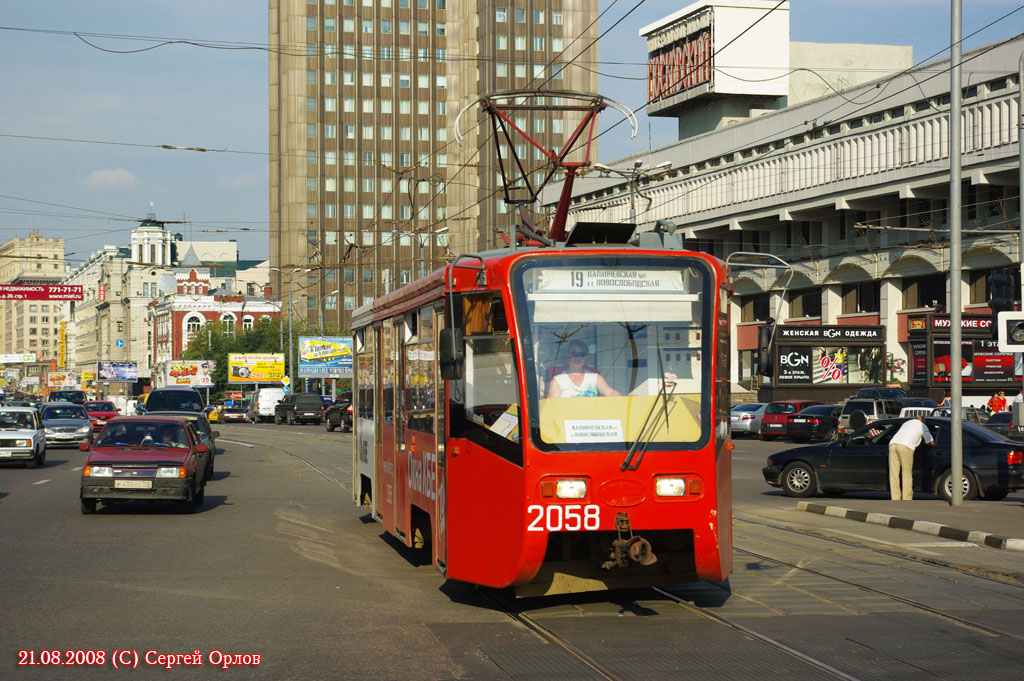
(670, 487)
(571, 489)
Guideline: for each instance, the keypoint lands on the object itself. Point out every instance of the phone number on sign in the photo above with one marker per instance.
(132, 658)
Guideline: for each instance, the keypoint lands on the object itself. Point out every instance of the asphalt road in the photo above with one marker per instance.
(281, 572)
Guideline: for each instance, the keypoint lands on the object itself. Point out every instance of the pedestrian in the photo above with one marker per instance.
(901, 457)
(947, 401)
(1019, 397)
(997, 402)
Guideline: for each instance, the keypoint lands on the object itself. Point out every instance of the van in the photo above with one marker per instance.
(261, 407)
(873, 409)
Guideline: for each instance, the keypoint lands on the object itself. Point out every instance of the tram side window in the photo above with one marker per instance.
(420, 363)
(486, 400)
(366, 378)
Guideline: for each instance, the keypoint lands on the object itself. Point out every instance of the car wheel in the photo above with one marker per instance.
(798, 480)
(346, 428)
(330, 426)
(944, 488)
(88, 506)
(200, 495)
(34, 461)
(832, 435)
(277, 419)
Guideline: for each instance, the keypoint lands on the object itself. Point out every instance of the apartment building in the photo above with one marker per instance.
(368, 188)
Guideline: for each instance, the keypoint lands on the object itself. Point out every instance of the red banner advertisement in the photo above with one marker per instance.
(39, 292)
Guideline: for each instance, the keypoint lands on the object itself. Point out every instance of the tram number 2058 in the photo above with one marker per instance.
(558, 517)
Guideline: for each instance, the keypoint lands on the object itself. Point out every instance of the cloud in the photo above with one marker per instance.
(111, 179)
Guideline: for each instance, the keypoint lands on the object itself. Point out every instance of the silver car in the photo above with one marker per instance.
(65, 423)
(745, 419)
(21, 436)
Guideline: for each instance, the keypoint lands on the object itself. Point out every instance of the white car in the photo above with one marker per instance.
(21, 436)
(745, 419)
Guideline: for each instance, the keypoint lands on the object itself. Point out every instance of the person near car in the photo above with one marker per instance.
(1019, 397)
(947, 401)
(997, 402)
(901, 457)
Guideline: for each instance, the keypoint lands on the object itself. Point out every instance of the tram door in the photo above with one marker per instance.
(441, 477)
(401, 463)
(386, 480)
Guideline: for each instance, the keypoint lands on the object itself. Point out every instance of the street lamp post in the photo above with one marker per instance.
(291, 276)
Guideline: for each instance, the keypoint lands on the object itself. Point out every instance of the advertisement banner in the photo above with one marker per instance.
(325, 357)
(61, 379)
(39, 292)
(253, 368)
(111, 371)
(17, 358)
(980, 362)
(197, 373)
(795, 365)
(88, 378)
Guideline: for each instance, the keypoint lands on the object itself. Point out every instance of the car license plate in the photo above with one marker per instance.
(774, 425)
(5, 454)
(64, 436)
(799, 420)
(133, 484)
(308, 413)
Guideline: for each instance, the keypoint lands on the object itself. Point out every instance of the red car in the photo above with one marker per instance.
(778, 414)
(100, 412)
(145, 458)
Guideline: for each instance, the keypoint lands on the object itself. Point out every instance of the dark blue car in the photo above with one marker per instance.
(992, 465)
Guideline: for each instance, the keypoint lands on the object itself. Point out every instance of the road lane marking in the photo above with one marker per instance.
(235, 442)
(41, 482)
(77, 468)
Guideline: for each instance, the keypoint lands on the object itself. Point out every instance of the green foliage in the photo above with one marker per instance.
(210, 342)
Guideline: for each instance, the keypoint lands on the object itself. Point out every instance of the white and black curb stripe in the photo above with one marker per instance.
(923, 526)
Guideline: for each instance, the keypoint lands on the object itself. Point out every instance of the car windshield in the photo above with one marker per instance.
(100, 406)
(780, 408)
(615, 351)
(143, 434)
(746, 407)
(174, 400)
(68, 412)
(16, 419)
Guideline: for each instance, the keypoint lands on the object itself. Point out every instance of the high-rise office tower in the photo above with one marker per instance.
(368, 187)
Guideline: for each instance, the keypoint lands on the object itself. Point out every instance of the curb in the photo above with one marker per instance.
(923, 526)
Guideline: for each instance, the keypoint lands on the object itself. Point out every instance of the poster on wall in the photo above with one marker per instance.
(111, 371)
(795, 365)
(325, 357)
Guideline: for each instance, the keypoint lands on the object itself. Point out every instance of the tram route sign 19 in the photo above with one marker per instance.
(39, 292)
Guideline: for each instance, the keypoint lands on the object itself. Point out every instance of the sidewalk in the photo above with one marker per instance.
(996, 524)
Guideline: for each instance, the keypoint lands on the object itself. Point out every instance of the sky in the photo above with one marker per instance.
(82, 123)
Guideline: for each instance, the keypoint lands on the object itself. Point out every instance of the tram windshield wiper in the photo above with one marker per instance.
(650, 425)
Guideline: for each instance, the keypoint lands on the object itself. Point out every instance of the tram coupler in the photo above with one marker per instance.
(628, 548)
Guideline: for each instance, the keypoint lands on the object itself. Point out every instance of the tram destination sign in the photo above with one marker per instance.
(39, 292)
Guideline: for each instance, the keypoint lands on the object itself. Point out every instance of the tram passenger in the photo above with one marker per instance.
(577, 380)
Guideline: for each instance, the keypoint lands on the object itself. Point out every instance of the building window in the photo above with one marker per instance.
(556, 17)
(754, 308)
(500, 15)
(520, 16)
(865, 297)
(926, 291)
(500, 42)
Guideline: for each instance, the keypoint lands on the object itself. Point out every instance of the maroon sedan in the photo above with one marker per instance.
(146, 458)
(100, 411)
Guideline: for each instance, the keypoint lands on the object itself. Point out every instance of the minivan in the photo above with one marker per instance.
(261, 406)
(874, 409)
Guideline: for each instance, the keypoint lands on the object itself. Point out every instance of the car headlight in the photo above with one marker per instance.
(85, 429)
(670, 487)
(170, 472)
(98, 472)
(50, 431)
(571, 489)
(23, 443)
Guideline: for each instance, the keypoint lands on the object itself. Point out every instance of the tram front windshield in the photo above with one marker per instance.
(617, 350)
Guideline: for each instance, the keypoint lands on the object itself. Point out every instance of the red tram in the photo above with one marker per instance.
(482, 436)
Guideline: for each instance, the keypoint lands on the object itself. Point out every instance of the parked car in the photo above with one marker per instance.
(820, 422)
(236, 414)
(874, 409)
(61, 395)
(148, 458)
(21, 436)
(100, 411)
(65, 423)
(261, 408)
(1000, 423)
(993, 466)
(339, 414)
(776, 414)
(301, 408)
(175, 398)
(207, 436)
(881, 393)
(972, 414)
(745, 419)
(917, 402)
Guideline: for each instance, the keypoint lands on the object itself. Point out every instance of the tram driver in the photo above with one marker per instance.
(577, 379)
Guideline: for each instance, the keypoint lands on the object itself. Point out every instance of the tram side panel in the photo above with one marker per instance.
(365, 432)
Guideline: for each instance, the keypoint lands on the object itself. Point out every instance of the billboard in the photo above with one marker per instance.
(17, 358)
(111, 371)
(197, 373)
(39, 292)
(325, 357)
(61, 379)
(253, 368)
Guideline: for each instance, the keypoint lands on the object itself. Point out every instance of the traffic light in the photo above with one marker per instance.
(765, 356)
(1000, 294)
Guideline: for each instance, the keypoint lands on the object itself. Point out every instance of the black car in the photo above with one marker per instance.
(819, 422)
(1002, 422)
(299, 408)
(339, 414)
(992, 465)
(174, 399)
